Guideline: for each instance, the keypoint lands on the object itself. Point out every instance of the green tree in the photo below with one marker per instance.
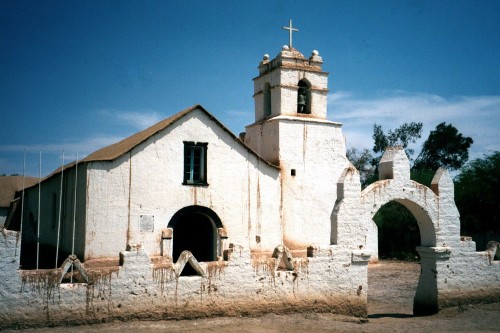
(362, 162)
(477, 193)
(445, 147)
(401, 136)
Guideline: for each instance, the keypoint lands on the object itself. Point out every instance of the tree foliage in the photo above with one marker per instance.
(401, 136)
(362, 162)
(445, 147)
(477, 193)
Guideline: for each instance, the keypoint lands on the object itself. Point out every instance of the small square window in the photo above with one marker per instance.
(195, 163)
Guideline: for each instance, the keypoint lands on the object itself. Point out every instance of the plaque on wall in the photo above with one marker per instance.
(146, 223)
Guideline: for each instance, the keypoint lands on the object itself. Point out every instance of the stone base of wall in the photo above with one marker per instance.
(477, 296)
(57, 316)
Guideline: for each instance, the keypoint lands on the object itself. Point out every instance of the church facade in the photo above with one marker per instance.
(185, 219)
(159, 186)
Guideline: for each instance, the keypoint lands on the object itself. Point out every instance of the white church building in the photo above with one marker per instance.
(188, 183)
(184, 218)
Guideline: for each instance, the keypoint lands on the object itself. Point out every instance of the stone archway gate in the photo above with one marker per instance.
(434, 209)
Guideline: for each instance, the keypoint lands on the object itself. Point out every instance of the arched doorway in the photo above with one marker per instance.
(432, 207)
(195, 230)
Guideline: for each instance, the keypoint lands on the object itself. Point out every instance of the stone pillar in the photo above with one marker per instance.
(166, 242)
(426, 300)
(394, 164)
(221, 243)
(448, 231)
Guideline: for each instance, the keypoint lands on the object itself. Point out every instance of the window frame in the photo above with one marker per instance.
(191, 168)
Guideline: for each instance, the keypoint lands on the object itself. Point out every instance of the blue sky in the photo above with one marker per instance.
(80, 75)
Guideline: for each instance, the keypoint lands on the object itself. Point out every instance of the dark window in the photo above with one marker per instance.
(267, 100)
(195, 163)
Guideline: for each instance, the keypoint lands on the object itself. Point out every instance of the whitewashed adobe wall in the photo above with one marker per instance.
(315, 149)
(244, 191)
(311, 155)
(142, 289)
(51, 215)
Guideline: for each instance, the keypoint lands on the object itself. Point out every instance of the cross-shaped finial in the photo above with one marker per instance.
(291, 30)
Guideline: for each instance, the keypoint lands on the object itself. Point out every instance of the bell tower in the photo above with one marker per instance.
(291, 130)
(291, 85)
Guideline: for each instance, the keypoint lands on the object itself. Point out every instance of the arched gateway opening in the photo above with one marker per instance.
(399, 289)
(393, 277)
(195, 230)
(398, 232)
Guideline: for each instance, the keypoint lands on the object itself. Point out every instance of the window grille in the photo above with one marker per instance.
(195, 163)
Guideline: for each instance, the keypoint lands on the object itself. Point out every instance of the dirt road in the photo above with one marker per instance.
(390, 300)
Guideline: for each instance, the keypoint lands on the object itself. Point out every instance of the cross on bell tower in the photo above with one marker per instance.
(290, 30)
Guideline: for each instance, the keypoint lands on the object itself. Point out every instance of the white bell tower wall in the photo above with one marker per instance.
(291, 130)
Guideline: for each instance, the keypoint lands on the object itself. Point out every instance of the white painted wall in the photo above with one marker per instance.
(316, 150)
(107, 218)
(330, 279)
(244, 191)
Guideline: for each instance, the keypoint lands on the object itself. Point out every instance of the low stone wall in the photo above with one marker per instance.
(329, 279)
(455, 276)
(468, 277)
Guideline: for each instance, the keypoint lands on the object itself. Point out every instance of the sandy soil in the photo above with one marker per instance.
(392, 286)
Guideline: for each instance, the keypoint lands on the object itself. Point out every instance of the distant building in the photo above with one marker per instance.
(9, 187)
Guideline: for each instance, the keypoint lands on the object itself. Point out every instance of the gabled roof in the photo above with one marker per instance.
(124, 146)
(120, 148)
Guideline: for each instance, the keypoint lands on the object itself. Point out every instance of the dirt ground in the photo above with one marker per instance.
(391, 287)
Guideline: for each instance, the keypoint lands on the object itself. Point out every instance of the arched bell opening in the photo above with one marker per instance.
(304, 97)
